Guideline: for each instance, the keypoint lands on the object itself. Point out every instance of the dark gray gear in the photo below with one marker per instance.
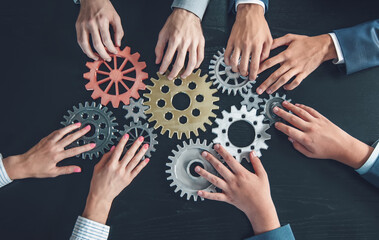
(102, 124)
(181, 167)
(137, 129)
(135, 110)
(268, 106)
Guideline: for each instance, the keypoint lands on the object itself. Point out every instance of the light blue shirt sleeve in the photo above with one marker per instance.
(4, 178)
(86, 229)
(370, 161)
(197, 7)
(77, 1)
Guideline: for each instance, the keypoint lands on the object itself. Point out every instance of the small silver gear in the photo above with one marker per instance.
(225, 79)
(251, 100)
(99, 118)
(135, 110)
(138, 129)
(182, 164)
(251, 117)
(267, 107)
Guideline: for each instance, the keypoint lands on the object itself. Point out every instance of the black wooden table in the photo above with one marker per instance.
(42, 67)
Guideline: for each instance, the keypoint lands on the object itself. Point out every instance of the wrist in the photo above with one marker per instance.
(183, 13)
(355, 153)
(14, 166)
(264, 219)
(328, 47)
(97, 209)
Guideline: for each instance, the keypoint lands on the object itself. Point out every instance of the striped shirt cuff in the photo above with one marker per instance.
(4, 178)
(86, 229)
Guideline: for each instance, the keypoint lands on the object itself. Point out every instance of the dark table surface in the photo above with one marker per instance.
(42, 68)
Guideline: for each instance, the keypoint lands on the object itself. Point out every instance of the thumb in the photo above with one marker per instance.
(68, 170)
(299, 147)
(285, 40)
(257, 164)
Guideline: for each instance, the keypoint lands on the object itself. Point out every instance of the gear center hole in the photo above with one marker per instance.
(181, 101)
(92, 131)
(192, 167)
(241, 133)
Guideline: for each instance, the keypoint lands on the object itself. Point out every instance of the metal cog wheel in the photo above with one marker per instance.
(251, 100)
(111, 83)
(182, 122)
(138, 129)
(251, 117)
(225, 79)
(135, 110)
(102, 124)
(181, 169)
(267, 108)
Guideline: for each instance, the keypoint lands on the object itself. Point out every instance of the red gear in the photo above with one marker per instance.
(116, 76)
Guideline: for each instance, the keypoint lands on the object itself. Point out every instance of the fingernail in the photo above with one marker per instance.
(197, 169)
(259, 90)
(290, 139)
(88, 127)
(285, 103)
(204, 154)
(298, 105)
(254, 154)
(92, 145)
(147, 160)
(200, 193)
(160, 72)
(269, 91)
(217, 146)
(112, 148)
(78, 124)
(170, 78)
(126, 136)
(78, 170)
(109, 59)
(146, 146)
(276, 124)
(276, 109)
(141, 139)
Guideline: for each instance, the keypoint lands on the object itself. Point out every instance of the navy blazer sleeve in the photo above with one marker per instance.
(360, 46)
(282, 233)
(372, 175)
(232, 4)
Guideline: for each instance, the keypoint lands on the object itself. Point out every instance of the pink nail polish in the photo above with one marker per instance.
(147, 160)
(88, 127)
(126, 136)
(78, 124)
(112, 148)
(78, 170)
(141, 139)
(92, 145)
(146, 146)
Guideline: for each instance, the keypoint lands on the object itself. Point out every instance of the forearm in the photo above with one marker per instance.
(97, 209)
(264, 219)
(355, 153)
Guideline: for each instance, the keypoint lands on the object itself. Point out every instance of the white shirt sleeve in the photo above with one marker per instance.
(339, 59)
(238, 2)
(87, 229)
(370, 161)
(4, 178)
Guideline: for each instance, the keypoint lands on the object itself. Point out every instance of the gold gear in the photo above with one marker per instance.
(165, 90)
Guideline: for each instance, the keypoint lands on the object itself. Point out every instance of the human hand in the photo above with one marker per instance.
(181, 33)
(94, 19)
(249, 40)
(303, 55)
(111, 175)
(247, 191)
(42, 159)
(316, 137)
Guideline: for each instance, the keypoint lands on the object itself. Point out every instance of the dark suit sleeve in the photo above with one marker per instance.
(372, 175)
(232, 4)
(282, 233)
(360, 46)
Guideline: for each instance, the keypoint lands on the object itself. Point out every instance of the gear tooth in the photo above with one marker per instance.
(87, 75)
(176, 189)
(182, 194)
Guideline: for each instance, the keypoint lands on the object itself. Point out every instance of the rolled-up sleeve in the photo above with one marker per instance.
(86, 229)
(4, 178)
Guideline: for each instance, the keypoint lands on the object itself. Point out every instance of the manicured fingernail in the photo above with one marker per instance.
(254, 154)
(141, 139)
(259, 90)
(88, 127)
(217, 146)
(204, 154)
(197, 169)
(298, 105)
(78, 124)
(77, 170)
(112, 148)
(92, 145)
(126, 136)
(276, 109)
(147, 160)
(285, 103)
(200, 193)
(290, 139)
(269, 91)
(146, 146)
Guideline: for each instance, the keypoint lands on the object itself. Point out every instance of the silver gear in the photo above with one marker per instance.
(181, 163)
(135, 109)
(232, 82)
(269, 104)
(251, 117)
(98, 117)
(251, 100)
(138, 129)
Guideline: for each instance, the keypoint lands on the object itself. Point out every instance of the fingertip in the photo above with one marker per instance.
(197, 169)
(92, 145)
(78, 124)
(217, 146)
(77, 170)
(290, 139)
(200, 193)
(147, 160)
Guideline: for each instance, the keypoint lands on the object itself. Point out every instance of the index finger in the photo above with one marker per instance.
(229, 159)
(59, 134)
(119, 148)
